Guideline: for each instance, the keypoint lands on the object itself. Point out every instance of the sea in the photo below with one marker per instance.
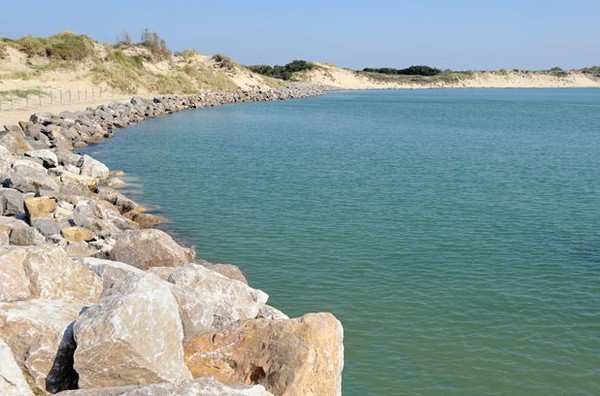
(454, 233)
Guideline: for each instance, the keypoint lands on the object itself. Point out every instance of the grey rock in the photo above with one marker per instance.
(28, 176)
(47, 156)
(93, 168)
(101, 218)
(46, 227)
(44, 118)
(28, 236)
(11, 202)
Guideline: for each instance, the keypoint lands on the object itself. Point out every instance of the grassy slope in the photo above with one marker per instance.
(127, 69)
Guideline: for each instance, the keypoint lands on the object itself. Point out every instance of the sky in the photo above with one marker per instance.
(451, 34)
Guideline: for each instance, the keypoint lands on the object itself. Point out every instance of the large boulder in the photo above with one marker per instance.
(37, 331)
(12, 382)
(11, 202)
(29, 176)
(209, 300)
(52, 274)
(92, 167)
(302, 356)
(200, 387)
(132, 336)
(14, 141)
(229, 270)
(48, 157)
(26, 236)
(101, 217)
(150, 248)
(14, 282)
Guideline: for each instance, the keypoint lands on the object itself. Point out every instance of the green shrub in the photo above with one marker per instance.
(62, 46)
(285, 72)
(419, 70)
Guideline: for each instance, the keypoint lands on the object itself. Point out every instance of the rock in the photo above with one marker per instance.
(114, 182)
(28, 176)
(11, 202)
(44, 118)
(268, 312)
(77, 234)
(144, 220)
(53, 274)
(209, 300)
(150, 248)
(110, 271)
(47, 156)
(302, 356)
(15, 142)
(93, 168)
(9, 223)
(229, 270)
(79, 249)
(14, 282)
(12, 382)
(35, 331)
(39, 207)
(138, 314)
(200, 387)
(101, 218)
(26, 236)
(4, 241)
(77, 181)
(6, 159)
(46, 227)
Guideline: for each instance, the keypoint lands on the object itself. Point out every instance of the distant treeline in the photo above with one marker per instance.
(282, 72)
(409, 71)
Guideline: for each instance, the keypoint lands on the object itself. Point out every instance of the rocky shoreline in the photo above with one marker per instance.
(94, 301)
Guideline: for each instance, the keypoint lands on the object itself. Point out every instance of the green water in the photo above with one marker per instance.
(455, 233)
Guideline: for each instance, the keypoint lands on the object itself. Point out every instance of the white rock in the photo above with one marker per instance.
(210, 300)
(92, 167)
(12, 382)
(132, 336)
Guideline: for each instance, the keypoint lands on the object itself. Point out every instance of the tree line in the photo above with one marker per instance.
(419, 70)
(284, 72)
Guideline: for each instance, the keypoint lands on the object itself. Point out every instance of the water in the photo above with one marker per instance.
(455, 233)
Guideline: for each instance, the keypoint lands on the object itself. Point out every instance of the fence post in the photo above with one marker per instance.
(61, 96)
(40, 95)
(70, 99)
(26, 98)
(78, 95)
(12, 101)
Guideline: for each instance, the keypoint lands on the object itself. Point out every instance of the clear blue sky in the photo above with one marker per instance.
(456, 34)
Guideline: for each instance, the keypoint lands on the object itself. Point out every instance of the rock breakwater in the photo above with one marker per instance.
(94, 301)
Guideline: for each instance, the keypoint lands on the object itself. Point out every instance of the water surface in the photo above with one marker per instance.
(455, 233)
